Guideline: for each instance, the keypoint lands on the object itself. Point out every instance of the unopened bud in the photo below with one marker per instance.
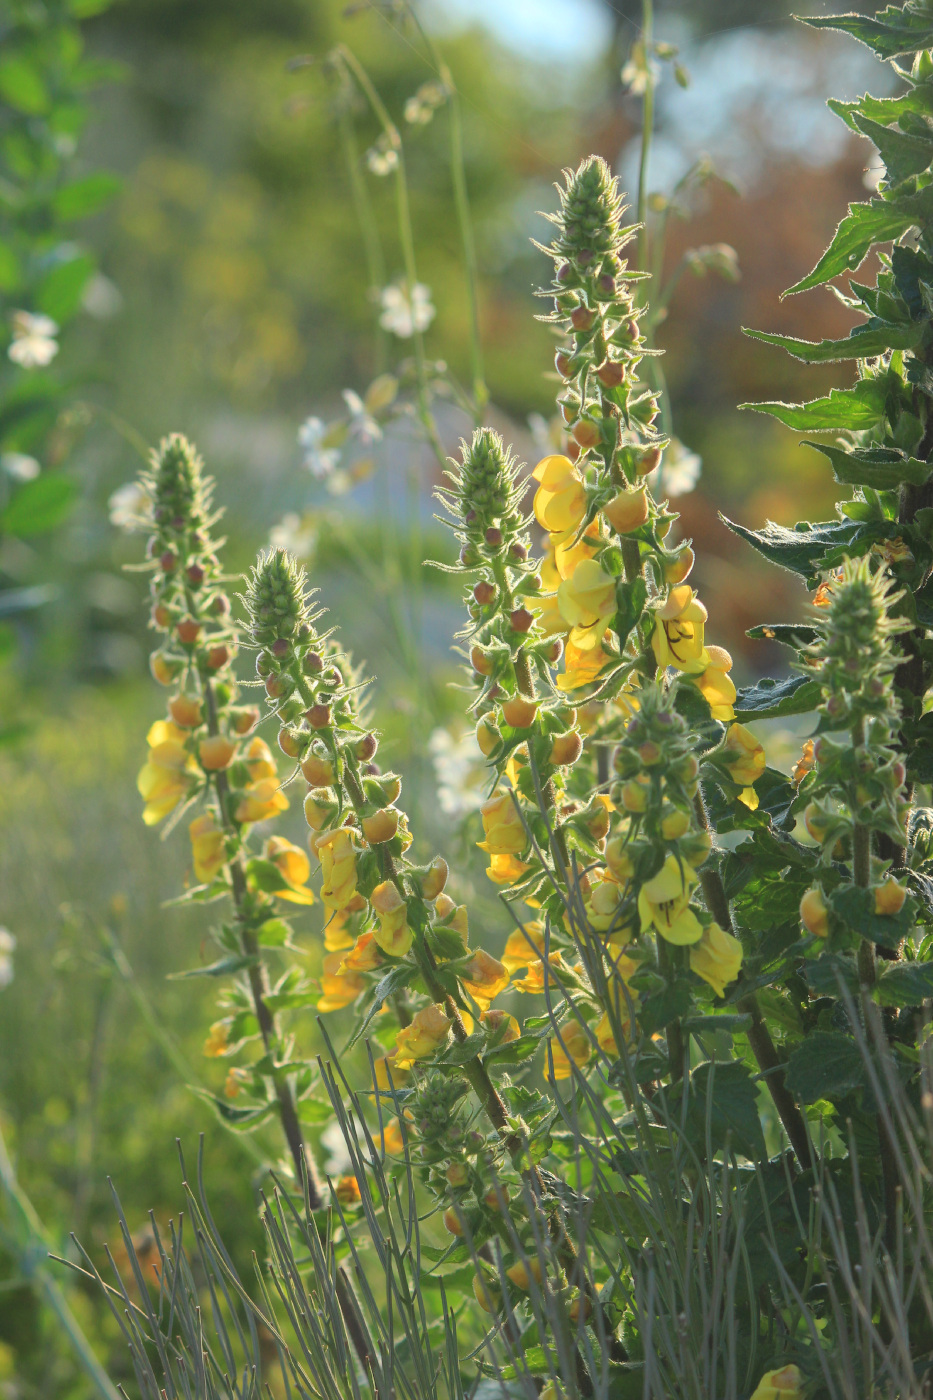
(318, 716)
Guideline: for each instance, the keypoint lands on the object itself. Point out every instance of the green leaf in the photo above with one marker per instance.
(856, 908)
(823, 974)
(39, 505)
(659, 1009)
(723, 1097)
(731, 1025)
(60, 291)
(536, 1361)
(512, 1052)
(825, 1066)
(874, 337)
(904, 983)
(903, 152)
(770, 699)
(223, 968)
(802, 549)
(86, 196)
(917, 100)
(864, 225)
(843, 410)
(22, 85)
(462, 1051)
(265, 875)
(274, 933)
(395, 979)
(882, 468)
(890, 33)
(790, 634)
(240, 1118)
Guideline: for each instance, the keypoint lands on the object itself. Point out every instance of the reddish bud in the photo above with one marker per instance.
(217, 657)
(493, 536)
(275, 687)
(188, 631)
(281, 647)
(289, 743)
(318, 716)
(221, 605)
(313, 664)
(582, 318)
(586, 432)
(521, 619)
(610, 374)
(195, 575)
(564, 274)
(484, 593)
(366, 748)
(246, 719)
(161, 616)
(562, 364)
(519, 553)
(167, 561)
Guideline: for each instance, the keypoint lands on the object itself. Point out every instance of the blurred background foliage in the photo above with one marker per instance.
(229, 295)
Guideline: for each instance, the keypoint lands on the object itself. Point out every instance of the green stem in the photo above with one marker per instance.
(36, 1241)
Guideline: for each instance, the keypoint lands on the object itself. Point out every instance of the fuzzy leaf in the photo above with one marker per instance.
(843, 410)
(659, 1009)
(891, 32)
(882, 468)
(874, 337)
(222, 968)
(864, 225)
(918, 100)
(790, 634)
(825, 1066)
(856, 908)
(769, 699)
(823, 974)
(903, 153)
(512, 1052)
(904, 984)
(801, 550)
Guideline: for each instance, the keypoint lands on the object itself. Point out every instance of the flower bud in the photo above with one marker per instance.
(165, 668)
(244, 720)
(565, 749)
(519, 713)
(186, 710)
(649, 461)
(457, 1174)
(521, 1274)
(521, 620)
(481, 662)
(889, 897)
(627, 511)
(489, 1298)
(317, 811)
(680, 566)
(217, 657)
(381, 826)
(435, 878)
(187, 631)
(318, 771)
(813, 913)
(487, 735)
(586, 433)
(216, 752)
(485, 593)
(289, 743)
(452, 1222)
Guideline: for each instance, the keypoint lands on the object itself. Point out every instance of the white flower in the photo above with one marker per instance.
(363, 425)
(680, 470)
(34, 344)
(7, 945)
(402, 313)
(130, 506)
(458, 771)
(382, 158)
(421, 108)
(320, 455)
(18, 466)
(294, 533)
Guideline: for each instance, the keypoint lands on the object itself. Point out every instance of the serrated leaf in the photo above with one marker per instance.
(882, 468)
(796, 635)
(513, 1052)
(865, 224)
(904, 983)
(222, 968)
(855, 906)
(825, 1066)
(731, 1025)
(918, 100)
(659, 1009)
(240, 1118)
(903, 152)
(890, 33)
(801, 550)
(536, 1361)
(724, 1100)
(770, 699)
(874, 337)
(265, 875)
(824, 974)
(842, 410)
(38, 505)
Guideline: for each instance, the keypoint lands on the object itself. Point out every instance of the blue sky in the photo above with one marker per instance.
(542, 29)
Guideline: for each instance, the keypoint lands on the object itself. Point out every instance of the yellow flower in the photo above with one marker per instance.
(567, 555)
(337, 854)
(743, 755)
(393, 934)
(392, 1139)
(716, 958)
(664, 903)
(889, 897)
(339, 986)
(336, 934)
(577, 1048)
(387, 1066)
(805, 763)
(604, 900)
(207, 847)
(523, 947)
(605, 1036)
(259, 760)
(216, 752)
(217, 1042)
(617, 856)
(813, 913)
(428, 1031)
(584, 659)
(785, 1384)
(588, 598)
(533, 980)
(260, 801)
(678, 631)
(484, 978)
(560, 500)
(166, 778)
(347, 1191)
(715, 685)
(502, 824)
(294, 867)
(364, 956)
(548, 616)
(501, 1026)
(505, 869)
(521, 1273)
(453, 915)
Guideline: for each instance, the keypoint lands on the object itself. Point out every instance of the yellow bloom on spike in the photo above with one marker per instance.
(715, 685)
(337, 854)
(294, 867)
(533, 980)
(603, 903)
(577, 1048)
(501, 1026)
(259, 760)
(716, 958)
(392, 1139)
(336, 934)
(567, 555)
(605, 1036)
(505, 869)
(392, 934)
(339, 986)
(548, 615)
(588, 598)
(664, 903)
(207, 847)
(484, 978)
(386, 1066)
(743, 755)
(166, 778)
(364, 956)
(584, 659)
(560, 500)
(428, 1031)
(217, 1042)
(523, 947)
(260, 801)
(502, 824)
(678, 631)
(785, 1384)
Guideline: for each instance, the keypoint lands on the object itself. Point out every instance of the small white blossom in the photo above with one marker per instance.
(18, 466)
(363, 425)
(404, 313)
(130, 507)
(680, 470)
(420, 109)
(294, 533)
(34, 344)
(459, 771)
(7, 946)
(320, 456)
(382, 158)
